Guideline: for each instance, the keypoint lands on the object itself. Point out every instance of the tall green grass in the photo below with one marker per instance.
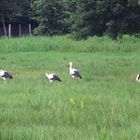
(104, 105)
(64, 43)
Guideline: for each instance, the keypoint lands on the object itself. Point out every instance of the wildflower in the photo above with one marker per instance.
(72, 101)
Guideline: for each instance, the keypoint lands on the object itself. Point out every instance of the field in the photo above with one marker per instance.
(104, 105)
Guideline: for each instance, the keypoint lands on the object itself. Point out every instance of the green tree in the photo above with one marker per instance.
(97, 17)
(51, 17)
(70, 8)
(8, 9)
(16, 10)
(24, 13)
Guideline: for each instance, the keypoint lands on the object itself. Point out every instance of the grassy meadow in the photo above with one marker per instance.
(104, 105)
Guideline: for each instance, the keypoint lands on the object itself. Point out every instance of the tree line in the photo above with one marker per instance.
(81, 18)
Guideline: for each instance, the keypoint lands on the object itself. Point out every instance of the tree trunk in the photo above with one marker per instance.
(4, 27)
(19, 29)
(30, 30)
(9, 30)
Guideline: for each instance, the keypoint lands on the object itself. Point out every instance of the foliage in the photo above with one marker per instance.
(52, 17)
(25, 11)
(8, 9)
(105, 16)
(81, 18)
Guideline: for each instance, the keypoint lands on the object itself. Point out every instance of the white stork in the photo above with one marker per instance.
(138, 78)
(52, 77)
(5, 75)
(74, 72)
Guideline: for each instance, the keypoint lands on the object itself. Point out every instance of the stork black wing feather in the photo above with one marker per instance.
(56, 78)
(77, 74)
(7, 75)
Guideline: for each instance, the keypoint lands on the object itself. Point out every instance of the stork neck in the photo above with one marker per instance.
(70, 66)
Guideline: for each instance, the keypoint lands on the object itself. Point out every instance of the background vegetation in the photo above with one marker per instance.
(81, 18)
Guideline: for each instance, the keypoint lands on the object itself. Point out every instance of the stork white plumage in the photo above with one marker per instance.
(52, 77)
(138, 78)
(5, 75)
(74, 72)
